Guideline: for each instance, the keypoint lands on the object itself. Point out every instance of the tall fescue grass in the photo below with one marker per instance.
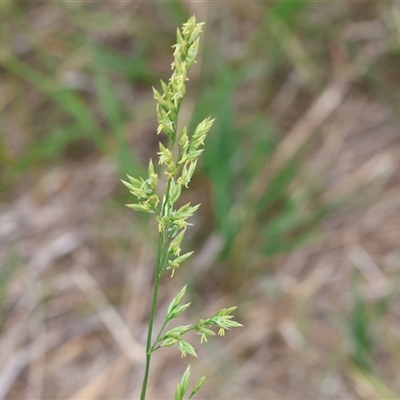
(75, 89)
(179, 166)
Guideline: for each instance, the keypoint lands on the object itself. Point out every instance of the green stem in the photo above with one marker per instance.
(152, 314)
(161, 259)
(158, 336)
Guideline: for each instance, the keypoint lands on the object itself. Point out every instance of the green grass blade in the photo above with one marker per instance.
(67, 99)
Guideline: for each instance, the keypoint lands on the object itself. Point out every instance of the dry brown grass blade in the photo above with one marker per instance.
(56, 340)
(37, 328)
(376, 279)
(134, 289)
(12, 369)
(369, 387)
(110, 317)
(24, 356)
(380, 166)
(99, 384)
(329, 100)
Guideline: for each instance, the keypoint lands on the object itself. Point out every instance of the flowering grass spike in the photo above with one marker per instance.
(178, 166)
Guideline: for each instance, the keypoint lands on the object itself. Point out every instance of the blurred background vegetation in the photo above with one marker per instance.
(299, 185)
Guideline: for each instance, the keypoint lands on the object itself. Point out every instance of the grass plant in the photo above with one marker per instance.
(179, 165)
(74, 98)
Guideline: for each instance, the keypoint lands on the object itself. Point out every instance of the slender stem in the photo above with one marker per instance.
(161, 260)
(159, 335)
(152, 314)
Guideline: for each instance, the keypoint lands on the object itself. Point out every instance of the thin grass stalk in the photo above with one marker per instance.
(172, 222)
(152, 315)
